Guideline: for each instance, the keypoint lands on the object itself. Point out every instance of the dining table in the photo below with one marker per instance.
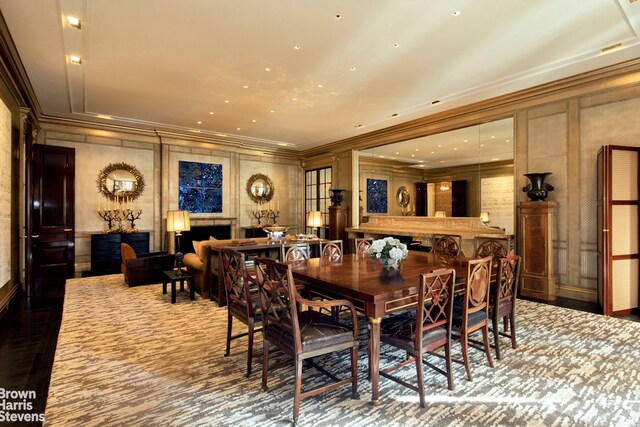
(374, 291)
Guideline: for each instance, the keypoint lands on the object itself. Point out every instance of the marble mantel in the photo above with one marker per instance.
(423, 228)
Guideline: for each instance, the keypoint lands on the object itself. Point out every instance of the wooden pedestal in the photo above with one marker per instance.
(338, 220)
(536, 225)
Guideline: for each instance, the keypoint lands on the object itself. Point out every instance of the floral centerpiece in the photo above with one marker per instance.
(389, 252)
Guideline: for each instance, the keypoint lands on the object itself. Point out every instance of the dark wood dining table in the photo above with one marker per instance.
(372, 290)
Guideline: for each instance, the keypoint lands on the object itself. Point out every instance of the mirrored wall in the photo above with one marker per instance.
(463, 172)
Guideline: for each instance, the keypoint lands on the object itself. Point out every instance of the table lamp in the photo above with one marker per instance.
(178, 221)
(314, 220)
(484, 217)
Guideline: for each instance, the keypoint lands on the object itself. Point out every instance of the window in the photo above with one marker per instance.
(316, 195)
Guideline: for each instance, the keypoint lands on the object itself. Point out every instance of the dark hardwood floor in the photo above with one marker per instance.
(28, 336)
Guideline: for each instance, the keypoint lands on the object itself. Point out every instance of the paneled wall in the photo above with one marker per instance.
(158, 160)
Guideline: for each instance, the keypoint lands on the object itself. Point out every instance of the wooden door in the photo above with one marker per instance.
(618, 229)
(422, 204)
(52, 214)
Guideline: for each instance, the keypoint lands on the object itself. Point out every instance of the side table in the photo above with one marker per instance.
(174, 276)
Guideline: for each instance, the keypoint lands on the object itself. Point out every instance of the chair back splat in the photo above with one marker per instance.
(331, 249)
(363, 246)
(302, 334)
(294, 252)
(424, 330)
(447, 245)
(243, 300)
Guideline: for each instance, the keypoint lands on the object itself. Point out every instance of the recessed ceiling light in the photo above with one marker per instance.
(74, 59)
(267, 69)
(246, 86)
(394, 115)
(238, 128)
(612, 48)
(493, 137)
(413, 155)
(74, 22)
(338, 16)
(437, 101)
(456, 13)
(199, 122)
(352, 68)
(466, 140)
(253, 121)
(481, 145)
(211, 113)
(297, 47)
(397, 152)
(320, 85)
(396, 45)
(104, 116)
(272, 111)
(294, 99)
(421, 161)
(455, 149)
(439, 145)
(381, 156)
(359, 126)
(226, 101)
(433, 152)
(508, 140)
(417, 149)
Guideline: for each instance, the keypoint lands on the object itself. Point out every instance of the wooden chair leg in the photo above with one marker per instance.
(420, 378)
(496, 336)
(506, 324)
(354, 372)
(297, 391)
(447, 355)
(229, 327)
(265, 362)
(487, 346)
(464, 342)
(512, 319)
(250, 349)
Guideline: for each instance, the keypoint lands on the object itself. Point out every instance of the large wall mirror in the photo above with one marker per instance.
(464, 172)
(260, 188)
(120, 181)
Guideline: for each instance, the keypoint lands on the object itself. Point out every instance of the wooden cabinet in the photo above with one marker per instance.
(105, 250)
(536, 275)
(338, 220)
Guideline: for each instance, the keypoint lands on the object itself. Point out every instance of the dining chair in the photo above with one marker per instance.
(447, 245)
(423, 330)
(302, 335)
(471, 312)
(294, 252)
(243, 300)
(331, 249)
(498, 247)
(363, 246)
(503, 300)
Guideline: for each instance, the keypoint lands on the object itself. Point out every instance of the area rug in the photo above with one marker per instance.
(127, 356)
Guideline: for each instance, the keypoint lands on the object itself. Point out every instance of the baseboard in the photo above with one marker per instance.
(7, 293)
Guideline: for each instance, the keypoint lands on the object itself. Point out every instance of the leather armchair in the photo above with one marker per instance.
(144, 269)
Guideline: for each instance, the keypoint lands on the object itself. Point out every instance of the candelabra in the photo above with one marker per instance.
(118, 215)
(270, 216)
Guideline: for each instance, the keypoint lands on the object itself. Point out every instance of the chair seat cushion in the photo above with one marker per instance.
(239, 309)
(400, 331)
(474, 318)
(317, 330)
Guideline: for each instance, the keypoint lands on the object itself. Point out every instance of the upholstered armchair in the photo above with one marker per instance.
(144, 269)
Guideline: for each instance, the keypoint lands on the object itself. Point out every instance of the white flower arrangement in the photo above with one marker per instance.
(390, 251)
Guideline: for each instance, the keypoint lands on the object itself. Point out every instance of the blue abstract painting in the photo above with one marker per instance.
(376, 195)
(200, 187)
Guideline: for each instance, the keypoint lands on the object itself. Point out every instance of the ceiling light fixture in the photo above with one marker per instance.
(359, 126)
(74, 22)
(211, 113)
(238, 128)
(394, 115)
(267, 69)
(320, 85)
(272, 111)
(297, 47)
(253, 121)
(612, 48)
(199, 122)
(437, 101)
(74, 59)
(226, 101)
(456, 13)
(246, 86)
(338, 16)
(352, 68)
(444, 186)
(396, 45)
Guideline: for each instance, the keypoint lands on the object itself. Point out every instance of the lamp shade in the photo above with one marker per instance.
(484, 216)
(178, 221)
(314, 219)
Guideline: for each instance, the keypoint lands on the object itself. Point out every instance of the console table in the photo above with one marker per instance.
(105, 250)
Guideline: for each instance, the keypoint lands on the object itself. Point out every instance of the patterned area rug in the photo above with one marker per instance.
(127, 356)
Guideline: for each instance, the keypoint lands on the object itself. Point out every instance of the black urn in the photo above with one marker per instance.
(336, 196)
(537, 189)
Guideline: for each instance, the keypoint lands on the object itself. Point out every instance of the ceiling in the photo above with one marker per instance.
(302, 73)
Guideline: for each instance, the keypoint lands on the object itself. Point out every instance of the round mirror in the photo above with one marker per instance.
(260, 188)
(120, 180)
(403, 197)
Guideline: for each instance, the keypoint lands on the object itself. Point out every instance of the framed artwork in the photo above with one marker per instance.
(200, 187)
(376, 195)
